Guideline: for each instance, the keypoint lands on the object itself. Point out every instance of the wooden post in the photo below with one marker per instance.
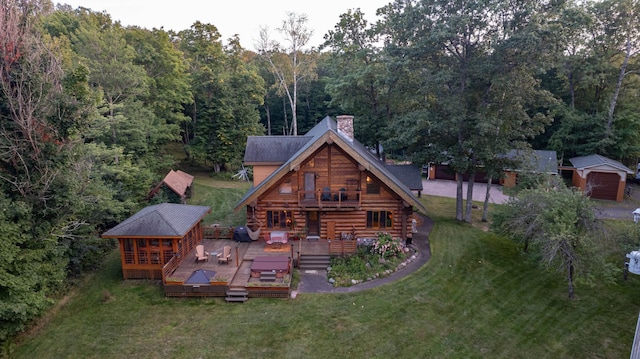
(237, 261)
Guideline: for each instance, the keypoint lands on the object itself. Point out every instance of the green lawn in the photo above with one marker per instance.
(475, 298)
(222, 196)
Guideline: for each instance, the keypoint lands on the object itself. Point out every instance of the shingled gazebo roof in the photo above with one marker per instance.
(161, 220)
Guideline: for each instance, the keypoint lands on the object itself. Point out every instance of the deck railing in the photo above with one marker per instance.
(217, 232)
(326, 198)
(343, 248)
(169, 268)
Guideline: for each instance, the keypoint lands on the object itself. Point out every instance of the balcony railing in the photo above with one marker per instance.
(327, 198)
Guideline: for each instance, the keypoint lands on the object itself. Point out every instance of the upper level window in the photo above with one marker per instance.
(373, 187)
(286, 188)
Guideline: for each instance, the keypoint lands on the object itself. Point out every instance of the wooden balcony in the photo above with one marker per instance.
(327, 198)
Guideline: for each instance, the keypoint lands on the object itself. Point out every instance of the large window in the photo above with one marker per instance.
(379, 219)
(279, 219)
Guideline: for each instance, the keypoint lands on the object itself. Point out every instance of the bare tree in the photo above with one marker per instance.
(289, 64)
(30, 79)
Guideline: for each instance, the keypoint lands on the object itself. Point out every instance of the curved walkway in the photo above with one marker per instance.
(316, 281)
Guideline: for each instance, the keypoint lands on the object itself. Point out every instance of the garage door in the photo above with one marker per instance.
(444, 172)
(603, 185)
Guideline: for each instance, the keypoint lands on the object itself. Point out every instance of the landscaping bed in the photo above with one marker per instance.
(374, 259)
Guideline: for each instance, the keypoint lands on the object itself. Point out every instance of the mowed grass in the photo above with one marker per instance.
(476, 298)
(222, 197)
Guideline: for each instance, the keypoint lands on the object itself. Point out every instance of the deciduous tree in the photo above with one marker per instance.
(359, 81)
(473, 84)
(290, 64)
(558, 225)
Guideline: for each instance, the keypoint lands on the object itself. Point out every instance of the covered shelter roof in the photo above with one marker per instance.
(538, 161)
(178, 181)
(584, 162)
(160, 220)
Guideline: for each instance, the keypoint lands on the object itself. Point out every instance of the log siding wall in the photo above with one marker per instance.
(343, 172)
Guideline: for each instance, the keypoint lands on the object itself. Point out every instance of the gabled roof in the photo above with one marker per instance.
(178, 181)
(584, 162)
(539, 161)
(274, 150)
(409, 175)
(160, 220)
(324, 132)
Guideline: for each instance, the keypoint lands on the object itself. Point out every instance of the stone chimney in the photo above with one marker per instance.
(345, 126)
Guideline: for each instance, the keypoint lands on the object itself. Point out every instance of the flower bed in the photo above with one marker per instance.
(374, 259)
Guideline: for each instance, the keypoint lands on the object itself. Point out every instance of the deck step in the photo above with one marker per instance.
(237, 291)
(268, 277)
(236, 299)
(314, 261)
(239, 295)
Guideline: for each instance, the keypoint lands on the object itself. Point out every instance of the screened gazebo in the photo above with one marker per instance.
(154, 235)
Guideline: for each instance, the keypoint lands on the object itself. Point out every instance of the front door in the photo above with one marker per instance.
(313, 223)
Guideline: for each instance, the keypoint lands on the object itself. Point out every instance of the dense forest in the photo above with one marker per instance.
(87, 107)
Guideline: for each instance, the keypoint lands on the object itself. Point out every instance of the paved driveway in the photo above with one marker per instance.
(604, 209)
(444, 188)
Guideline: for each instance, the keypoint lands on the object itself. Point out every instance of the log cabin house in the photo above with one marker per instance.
(327, 185)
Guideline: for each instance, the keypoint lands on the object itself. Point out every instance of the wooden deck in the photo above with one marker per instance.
(224, 272)
(237, 273)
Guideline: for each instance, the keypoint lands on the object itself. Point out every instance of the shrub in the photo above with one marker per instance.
(386, 246)
(369, 262)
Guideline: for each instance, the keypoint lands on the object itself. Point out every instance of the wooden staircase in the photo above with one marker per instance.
(237, 295)
(314, 261)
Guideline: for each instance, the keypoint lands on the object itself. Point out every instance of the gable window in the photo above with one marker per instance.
(279, 219)
(379, 219)
(373, 187)
(285, 188)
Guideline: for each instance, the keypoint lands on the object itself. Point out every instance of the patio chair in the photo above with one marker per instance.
(326, 194)
(201, 254)
(225, 256)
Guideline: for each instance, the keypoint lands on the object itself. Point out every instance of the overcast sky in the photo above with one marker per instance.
(242, 17)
